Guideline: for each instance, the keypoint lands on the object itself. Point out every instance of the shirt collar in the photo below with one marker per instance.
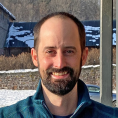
(83, 95)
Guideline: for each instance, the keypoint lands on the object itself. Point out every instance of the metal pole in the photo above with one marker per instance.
(106, 52)
(117, 51)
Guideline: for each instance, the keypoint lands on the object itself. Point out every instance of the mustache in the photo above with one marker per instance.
(68, 69)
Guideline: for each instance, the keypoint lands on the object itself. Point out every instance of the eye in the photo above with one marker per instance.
(50, 52)
(69, 52)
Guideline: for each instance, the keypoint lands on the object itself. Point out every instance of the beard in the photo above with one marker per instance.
(60, 86)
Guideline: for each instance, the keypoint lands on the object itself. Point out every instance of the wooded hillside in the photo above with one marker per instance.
(33, 10)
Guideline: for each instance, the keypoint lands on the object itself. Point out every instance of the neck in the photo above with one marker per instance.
(61, 105)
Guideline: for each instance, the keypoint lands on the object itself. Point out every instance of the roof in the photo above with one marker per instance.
(92, 29)
(7, 11)
(20, 34)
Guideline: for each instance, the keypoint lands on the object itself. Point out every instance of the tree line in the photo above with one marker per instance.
(34, 10)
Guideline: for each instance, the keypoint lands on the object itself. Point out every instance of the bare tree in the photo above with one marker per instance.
(114, 9)
(33, 10)
(89, 10)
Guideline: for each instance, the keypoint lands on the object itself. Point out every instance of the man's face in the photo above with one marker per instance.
(59, 56)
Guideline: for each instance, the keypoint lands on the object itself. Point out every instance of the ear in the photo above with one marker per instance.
(84, 56)
(34, 57)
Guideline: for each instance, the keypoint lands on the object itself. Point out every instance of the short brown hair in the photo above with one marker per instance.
(63, 15)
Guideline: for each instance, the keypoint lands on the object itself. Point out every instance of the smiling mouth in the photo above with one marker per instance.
(59, 73)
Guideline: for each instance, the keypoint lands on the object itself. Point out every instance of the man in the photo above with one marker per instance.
(59, 52)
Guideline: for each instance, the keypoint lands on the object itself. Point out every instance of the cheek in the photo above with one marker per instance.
(45, 63)
(74, 62)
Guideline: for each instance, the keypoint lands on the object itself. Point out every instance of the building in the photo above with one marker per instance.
(92, 29)
(5, 17)
(19, 38)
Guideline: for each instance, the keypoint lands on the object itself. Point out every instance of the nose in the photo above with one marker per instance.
(59, 61)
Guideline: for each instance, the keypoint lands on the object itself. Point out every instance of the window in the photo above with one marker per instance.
(93, 89)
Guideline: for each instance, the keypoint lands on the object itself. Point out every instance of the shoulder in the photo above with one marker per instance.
(103, 110)
(19, 107)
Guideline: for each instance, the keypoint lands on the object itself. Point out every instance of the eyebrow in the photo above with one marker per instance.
(54, 47)
(49, 47)
(72, 47)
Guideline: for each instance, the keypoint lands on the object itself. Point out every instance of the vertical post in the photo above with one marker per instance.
(106, 52)
(117, 51)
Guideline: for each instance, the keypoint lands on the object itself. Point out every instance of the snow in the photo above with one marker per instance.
(114, 38)
(94, 37)
(91, 66)
(9, 97)
(92, 40)
(23, 32)
(89, 28)
(7, 11)
(20, 71)
(16, 32)
(30, 43)
(36, 69)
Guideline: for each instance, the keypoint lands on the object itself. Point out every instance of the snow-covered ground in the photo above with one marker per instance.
(9, 97)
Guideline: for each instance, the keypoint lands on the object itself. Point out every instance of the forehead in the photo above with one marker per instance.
(59, 30)
(58, 23)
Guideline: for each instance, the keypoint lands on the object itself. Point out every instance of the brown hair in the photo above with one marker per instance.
(63, 15)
